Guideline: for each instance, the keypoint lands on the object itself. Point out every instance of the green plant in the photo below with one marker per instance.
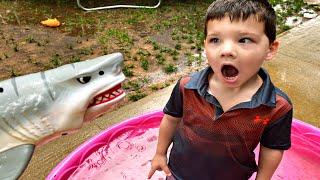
(70, 46)
(160, 59)
(30, 39)
(155, 45)
(134, 85)
(15, 48)
(56, 60)
(174, 53)
(75, 59)
(154, 87)
(86, 51)
(178, 46)
(175, 58)
(143, 52)
(5, 55)
(14, 73)
(135, 96)
(157, 86)
(166, 23)
(170, 68)
(145, 64)
(190, 39)
(135, 19)
(157, 27)
(191, 59)
(127, 70)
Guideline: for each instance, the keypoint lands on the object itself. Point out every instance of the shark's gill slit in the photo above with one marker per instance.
(46, 83)
(14, 132)
(73, 66)
(10, 132)
(14, 84)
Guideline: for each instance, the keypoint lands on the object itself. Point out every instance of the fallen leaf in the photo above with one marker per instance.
(51, 23)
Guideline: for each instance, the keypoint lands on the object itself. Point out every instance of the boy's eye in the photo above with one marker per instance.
(214, 40)
(245, 40)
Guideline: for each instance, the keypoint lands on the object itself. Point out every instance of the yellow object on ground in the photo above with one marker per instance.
(51, 22)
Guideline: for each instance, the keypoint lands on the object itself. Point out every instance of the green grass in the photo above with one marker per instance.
(135, 96)
(56, 60)
(30, 39)
(127, 70)
(118, 36)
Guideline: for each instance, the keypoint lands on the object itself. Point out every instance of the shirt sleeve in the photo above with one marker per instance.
(277, 134)
(174, 104)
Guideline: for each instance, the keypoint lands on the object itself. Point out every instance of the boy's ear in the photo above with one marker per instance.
(273, 49)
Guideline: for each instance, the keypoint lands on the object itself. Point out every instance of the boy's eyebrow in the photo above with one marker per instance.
(214, 34)
(240, 34)
(248, 33)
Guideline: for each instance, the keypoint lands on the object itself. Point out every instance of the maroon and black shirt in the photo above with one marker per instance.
(212, 144)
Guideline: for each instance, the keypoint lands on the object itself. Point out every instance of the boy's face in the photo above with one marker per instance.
(236, 50)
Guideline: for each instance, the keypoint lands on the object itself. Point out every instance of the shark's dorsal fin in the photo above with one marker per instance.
(14, 161)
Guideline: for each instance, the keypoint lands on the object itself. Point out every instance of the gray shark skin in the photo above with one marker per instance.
(40, 107)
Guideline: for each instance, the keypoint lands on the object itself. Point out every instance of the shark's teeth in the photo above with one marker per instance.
(106, 96)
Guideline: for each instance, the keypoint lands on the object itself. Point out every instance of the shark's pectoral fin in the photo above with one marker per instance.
(14, 161)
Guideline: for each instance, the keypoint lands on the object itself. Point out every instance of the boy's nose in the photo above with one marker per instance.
(228, 50)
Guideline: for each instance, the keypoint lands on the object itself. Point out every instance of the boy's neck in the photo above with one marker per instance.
(229, 97)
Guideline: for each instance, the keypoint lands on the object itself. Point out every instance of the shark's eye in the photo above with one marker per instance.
(84, 79)
(101, 73)
(1, 90)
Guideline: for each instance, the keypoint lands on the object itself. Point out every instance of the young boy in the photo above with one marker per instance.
(216, 117)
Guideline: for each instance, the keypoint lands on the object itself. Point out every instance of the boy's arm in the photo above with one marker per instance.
(269, 160)
(167, 128)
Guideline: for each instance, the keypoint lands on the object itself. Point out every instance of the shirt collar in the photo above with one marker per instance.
(266, 94)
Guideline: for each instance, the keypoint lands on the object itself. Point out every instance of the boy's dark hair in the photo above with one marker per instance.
(242, 10)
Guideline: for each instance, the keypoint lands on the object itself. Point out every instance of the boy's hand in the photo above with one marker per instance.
(159, 163)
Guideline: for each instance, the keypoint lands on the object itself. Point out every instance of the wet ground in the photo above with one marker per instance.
(296, 70)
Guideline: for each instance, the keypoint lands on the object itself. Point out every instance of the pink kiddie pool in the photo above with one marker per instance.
(124, 151)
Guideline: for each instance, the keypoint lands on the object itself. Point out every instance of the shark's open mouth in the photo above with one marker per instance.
(106, 96)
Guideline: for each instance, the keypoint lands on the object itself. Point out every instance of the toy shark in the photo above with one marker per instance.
(39, 107)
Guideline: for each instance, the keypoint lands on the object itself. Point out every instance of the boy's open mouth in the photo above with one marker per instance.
(229, 72)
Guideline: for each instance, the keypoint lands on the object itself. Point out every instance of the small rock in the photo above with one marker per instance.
(312, 1)
(278, 8)
(196, 55)
(308, 13)
(293, 21)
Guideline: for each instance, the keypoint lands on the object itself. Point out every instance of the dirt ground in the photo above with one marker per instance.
(156, 50)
